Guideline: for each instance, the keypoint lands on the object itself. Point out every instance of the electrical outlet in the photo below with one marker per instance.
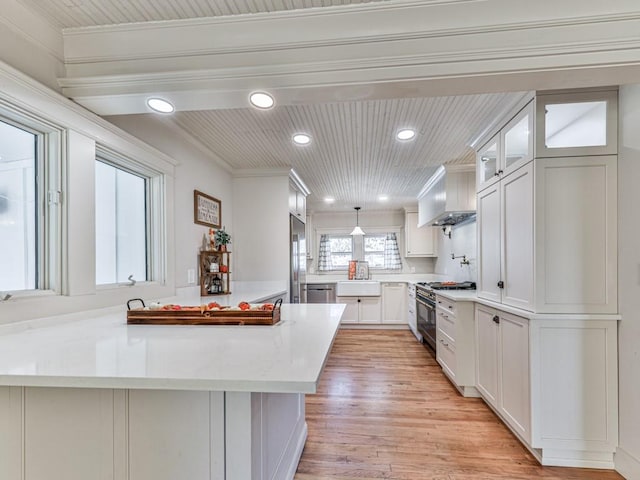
(412, 269)
(191, 276)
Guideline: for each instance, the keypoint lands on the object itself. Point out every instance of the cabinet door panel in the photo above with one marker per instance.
(489, 243)
(370, 310)
(351, 311)
(517, 241)
(487, 355)
(576, 235)
(394, 303)
(488, 160)
(514, 374)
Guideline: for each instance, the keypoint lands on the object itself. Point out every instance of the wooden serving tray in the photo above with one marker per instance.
(141, 316)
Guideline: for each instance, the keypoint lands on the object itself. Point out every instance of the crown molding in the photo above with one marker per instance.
(261, 172)
(33, 28)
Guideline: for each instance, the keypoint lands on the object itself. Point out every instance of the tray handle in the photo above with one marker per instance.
(276, 306)
(135, 300)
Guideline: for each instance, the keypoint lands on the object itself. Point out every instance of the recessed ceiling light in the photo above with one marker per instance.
(160, 105)
(301, 139)
(329, 199)
(405, 134)
(383, 198)
(261, 100)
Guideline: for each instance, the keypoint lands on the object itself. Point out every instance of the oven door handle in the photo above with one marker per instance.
(422, 302)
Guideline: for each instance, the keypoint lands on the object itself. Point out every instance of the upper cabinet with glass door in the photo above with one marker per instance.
(509, 149)
(576, 124)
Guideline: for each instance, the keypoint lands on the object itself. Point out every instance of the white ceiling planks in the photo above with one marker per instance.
(354, 156)
(85, 13)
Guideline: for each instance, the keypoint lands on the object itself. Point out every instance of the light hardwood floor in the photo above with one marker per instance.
(384, 409)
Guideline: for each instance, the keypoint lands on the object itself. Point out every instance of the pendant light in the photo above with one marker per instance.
(357, 230)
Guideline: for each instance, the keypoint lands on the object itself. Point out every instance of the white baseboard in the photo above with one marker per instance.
(626, 464)
(294, 455)
(375, 326)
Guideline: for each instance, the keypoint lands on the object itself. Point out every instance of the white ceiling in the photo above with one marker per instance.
(353, 157)
(85, 13)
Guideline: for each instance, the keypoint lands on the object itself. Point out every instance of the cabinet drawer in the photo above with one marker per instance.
(447, 323)
(446, 304)
(446, 353)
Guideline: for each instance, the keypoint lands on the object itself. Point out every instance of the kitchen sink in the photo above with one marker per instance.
(358, 288)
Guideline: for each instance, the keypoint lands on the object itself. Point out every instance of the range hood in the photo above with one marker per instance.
(449, 197)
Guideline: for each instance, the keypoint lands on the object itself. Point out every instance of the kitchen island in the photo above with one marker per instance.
(99, 399)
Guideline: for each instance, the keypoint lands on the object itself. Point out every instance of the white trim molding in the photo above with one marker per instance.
(626, 464)
(366, 51)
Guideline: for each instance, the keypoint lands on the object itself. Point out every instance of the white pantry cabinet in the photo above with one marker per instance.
(505, 240)
(576, 234)
(419, 241)
(394, 306)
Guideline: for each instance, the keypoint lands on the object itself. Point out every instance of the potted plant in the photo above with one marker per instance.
(222, 238)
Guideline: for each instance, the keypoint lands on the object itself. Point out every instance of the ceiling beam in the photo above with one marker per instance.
(364, 51)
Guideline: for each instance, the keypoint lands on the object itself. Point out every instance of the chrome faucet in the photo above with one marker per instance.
(464, 260)
(4, 297)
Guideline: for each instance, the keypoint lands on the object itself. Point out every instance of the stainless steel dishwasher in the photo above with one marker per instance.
(321, 293)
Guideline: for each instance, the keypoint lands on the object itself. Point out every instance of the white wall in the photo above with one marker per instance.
(196, 171)
(463, 241)
(393, 219)
(628, 456)
(261, 242)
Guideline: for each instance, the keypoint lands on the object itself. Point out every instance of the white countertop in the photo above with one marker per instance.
(382, 277)
(458, 295)
(102, 351)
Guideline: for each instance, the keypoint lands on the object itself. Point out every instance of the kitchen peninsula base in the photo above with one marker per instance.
(76, 433)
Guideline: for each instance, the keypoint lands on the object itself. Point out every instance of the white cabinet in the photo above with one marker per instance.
(365, 310)
(502, 367)
(552, 380)
(412, 317)
(576, 235)
(394, 302)
(455, 343)
(297, 202)
(505, 240)
(577, 123)
(507, 150)
(420, 241)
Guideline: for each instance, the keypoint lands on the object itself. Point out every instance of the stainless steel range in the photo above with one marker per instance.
(426, 307)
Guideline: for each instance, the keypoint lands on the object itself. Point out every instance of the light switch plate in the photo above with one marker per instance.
(191, 276)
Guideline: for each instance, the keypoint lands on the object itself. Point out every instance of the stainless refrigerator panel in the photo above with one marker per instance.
(298, 260)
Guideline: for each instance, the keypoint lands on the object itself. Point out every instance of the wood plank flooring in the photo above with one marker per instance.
(384, 409)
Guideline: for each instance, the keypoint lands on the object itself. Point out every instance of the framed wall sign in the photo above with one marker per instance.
(207, 210)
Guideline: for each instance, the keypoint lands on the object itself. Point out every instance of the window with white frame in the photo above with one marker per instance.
(127, 236)
(380, 250)
(29, 203)
(374, 250)
(335, 252)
